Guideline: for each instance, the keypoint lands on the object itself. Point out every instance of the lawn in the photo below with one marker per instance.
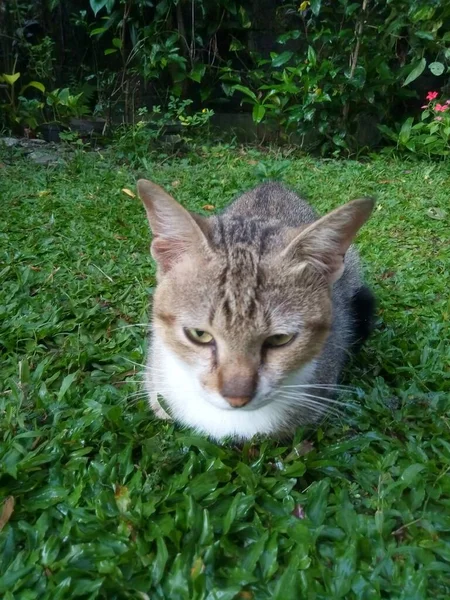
(109, 503)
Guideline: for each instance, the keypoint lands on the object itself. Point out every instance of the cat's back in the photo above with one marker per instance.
(272, 202)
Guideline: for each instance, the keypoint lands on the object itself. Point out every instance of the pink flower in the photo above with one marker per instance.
(424, 106)
(438, 118)
(432, 95)
(447, 102)
(440, 107)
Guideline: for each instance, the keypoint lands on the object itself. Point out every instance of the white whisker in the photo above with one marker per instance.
(128, 326)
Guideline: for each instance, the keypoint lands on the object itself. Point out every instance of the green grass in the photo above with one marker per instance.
(110, 503)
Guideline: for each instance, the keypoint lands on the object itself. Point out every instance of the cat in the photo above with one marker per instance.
(255, 310)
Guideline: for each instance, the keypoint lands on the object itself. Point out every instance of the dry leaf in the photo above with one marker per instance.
(44, 193)
(175, 183)
(208, 207)
(128, 192)
(436, 213)
(7, 511)
(121, 237)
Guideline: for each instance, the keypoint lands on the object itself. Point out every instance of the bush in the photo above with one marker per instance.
(431, 135)
(326, 68)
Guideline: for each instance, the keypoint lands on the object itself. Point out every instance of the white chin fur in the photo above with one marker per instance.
(208, 413)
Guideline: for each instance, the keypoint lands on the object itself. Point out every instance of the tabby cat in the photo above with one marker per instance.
(255, 310)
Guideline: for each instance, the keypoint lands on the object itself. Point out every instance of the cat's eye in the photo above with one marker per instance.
(198, 336)
(280, 339)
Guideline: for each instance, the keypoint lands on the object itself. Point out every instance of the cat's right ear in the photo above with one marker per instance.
(175, 231)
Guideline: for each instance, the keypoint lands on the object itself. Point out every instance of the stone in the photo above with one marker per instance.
(10, 142)
(44, 158)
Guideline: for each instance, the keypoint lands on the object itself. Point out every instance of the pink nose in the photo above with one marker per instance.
(239, 401)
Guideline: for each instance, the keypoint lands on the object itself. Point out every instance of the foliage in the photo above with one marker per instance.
(135, 142)
(349, 61)
(319, 72)
(98, 500)
(18, 109)
(431, 135)
(41, 60)
(65, 105)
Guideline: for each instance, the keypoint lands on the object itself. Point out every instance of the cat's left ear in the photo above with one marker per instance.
(325, 242)
(175, 230)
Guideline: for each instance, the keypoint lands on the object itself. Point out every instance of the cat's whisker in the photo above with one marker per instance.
(322, 398)
(133, 363)
(136, 395)
(129, 326)
(321, 387)
(308, 390)
(304, 399)
(324, 385)
(317, 408)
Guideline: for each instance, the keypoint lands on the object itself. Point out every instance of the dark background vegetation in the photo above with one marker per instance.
(324, 73)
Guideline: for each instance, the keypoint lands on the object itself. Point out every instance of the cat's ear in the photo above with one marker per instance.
(325, 242)
(175, 231)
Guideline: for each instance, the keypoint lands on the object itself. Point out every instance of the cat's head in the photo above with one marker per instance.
(241, 304)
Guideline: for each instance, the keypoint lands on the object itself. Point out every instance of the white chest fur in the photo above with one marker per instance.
(207, 412)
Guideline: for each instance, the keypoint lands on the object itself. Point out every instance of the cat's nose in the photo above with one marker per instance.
(238, 387)
(239, 401)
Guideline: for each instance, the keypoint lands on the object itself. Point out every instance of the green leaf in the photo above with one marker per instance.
(287, 587)
(110, 51)
(254, 552)
(345, 571)
(416, 71)
(46, 496)
(268, 560)
(11, 79)
(231, 513)
(437, 68)
(97, 5)
(258, 113)
(405, 131)
(159, 563)
(87, 587)
(280, 59)
(294, 34)
(65, 385)
(117, 43)
(38, 85)
(98, 31)
(9, 578)
(317, 501)
(245, 90)
(410, 473)
(197, 72)
(312, 58)
(236, 45)
(424, 35)
(358, 77)
(315, 6)
(244, 18)
(207, 482)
